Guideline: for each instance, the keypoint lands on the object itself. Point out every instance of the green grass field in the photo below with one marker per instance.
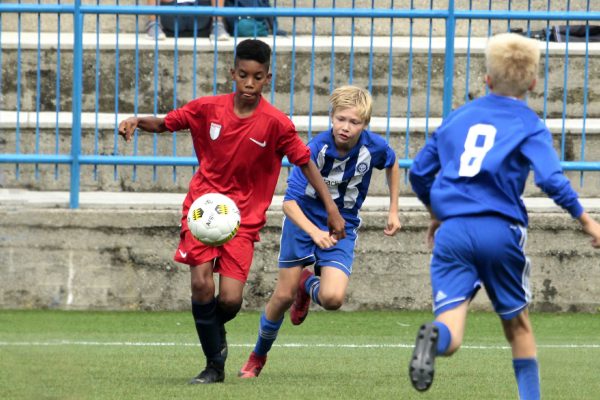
(342, 355)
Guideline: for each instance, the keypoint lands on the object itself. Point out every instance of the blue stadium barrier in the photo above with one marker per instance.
(80, 13)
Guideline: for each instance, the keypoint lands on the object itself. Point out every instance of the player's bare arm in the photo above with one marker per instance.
(591, 227)
(335, 222)
(321, 238)
(393, 180)
(149, 124)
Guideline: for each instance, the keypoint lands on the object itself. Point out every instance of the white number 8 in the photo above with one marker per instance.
(472, 157)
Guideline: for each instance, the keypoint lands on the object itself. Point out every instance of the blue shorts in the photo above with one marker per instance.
(469, 251)
(297, 248)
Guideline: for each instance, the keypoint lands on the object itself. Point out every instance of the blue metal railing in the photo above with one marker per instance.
(450, 16)
(76, 107)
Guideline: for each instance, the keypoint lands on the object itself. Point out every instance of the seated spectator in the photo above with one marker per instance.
(154, 29)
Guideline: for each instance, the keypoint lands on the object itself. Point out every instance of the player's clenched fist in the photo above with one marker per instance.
(323, 239)
(127, 127)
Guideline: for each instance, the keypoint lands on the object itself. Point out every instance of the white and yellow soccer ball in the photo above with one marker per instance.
(213, 219)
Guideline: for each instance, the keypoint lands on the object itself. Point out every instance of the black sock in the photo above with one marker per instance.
(207, 326)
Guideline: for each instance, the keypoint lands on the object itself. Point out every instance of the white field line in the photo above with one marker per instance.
(283, 345)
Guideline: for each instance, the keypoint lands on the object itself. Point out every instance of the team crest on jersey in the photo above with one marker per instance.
(215, 130)
(362, 168)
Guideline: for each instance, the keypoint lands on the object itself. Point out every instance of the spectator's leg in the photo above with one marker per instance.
(218, 3)
(218, 31)
(152, 29)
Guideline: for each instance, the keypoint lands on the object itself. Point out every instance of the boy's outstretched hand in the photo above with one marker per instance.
(393, 225)
(127, 127)
(591, 227)
(149, 124)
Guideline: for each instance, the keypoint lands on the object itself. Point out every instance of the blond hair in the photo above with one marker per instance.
(352, 96)
(512, 63)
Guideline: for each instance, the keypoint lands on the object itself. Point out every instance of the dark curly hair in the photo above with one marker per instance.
(255, 50)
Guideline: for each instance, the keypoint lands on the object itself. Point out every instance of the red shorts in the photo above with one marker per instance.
(233, 259)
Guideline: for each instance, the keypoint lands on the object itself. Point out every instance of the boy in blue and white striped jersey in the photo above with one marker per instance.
(345, 155)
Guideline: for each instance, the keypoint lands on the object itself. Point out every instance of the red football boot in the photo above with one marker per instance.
(299, 309)
(253, 366)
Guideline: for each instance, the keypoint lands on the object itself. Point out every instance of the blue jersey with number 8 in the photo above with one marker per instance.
(478, 160)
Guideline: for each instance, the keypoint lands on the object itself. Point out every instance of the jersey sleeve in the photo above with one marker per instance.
(549, 177)
(389, 158)
(423, 170)
(314, 149)
(290, 145)
(179, 119)
(385, 155)
(297, 182)
(295, 185)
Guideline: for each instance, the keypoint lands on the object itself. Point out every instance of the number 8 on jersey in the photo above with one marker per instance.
(472, 157)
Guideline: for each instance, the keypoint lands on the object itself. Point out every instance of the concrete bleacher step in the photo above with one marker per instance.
(309, 92)
(143, 178)
(323, 25)
(106, 121)
(157, 200)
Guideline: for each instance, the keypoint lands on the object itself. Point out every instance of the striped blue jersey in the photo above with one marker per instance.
(478, 160)
(347, 177)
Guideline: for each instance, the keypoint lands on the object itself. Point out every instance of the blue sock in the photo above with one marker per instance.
(267, 333)
(312, 286)
(528, 378)
(444, 338)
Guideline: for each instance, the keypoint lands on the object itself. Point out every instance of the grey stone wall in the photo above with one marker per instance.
(121, 259)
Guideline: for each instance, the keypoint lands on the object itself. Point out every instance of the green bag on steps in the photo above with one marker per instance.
(250, 27)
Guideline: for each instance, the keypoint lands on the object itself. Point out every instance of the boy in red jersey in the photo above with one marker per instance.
(240, 140)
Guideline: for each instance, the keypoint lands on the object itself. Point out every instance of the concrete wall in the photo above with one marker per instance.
(120, 259)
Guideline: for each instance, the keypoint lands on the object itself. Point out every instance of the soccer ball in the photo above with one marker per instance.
(213, 219)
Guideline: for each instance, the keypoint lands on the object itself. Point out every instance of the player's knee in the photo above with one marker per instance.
(517, 333)
(284, 298)
(516, 328)
(231, 304)
(202, 287)
(331, 301)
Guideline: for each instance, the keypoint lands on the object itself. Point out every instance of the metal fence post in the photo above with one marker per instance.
(76, 104)
(449, 60)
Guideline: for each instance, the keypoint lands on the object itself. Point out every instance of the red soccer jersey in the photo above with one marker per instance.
(239, 157)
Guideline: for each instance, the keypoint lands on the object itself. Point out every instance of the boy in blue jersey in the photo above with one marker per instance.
(471, 175)
(345, 156)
